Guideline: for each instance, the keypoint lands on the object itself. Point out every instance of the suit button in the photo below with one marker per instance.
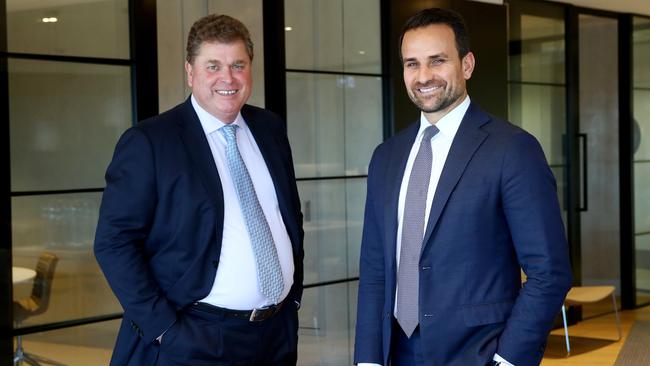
(215, 264)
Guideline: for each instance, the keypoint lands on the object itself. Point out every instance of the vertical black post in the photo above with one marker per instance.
(6, 287)
(572, 76)
(626, 158)
(275, 78)
(386, 54)
(144, 58)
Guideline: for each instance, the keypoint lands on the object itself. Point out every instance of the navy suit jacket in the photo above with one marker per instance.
(158, 240)
(495, 211)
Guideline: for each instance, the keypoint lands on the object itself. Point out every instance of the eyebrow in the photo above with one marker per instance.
(437, 55)
(219, 62)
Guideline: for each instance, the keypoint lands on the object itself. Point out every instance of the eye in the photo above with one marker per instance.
(212, 68)
(437, 61)
(238, 67)
(410, 65)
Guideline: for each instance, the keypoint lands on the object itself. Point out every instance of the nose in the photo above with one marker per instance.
(424, 75)
(226, 75)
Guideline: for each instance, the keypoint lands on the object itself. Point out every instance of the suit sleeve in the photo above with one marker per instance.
(530, 204)
(296, 291)
(368, 342)
(126, 213)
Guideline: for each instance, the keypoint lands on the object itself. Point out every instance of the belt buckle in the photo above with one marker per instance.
(257, 315)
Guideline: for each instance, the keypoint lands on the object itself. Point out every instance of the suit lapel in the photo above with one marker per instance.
(468, 139)
(394, 175)
(198, 149)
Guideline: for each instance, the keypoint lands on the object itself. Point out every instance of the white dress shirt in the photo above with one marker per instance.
(235, 285)
(440, 146)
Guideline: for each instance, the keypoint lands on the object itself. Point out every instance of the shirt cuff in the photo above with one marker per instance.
(501, 359)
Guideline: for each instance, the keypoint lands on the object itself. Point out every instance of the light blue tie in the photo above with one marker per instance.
(269, 274)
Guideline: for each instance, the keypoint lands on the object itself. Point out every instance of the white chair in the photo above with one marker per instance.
(583, 295)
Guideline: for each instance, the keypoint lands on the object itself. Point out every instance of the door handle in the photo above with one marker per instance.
(584, 205)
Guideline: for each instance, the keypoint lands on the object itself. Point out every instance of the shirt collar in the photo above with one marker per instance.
(211, 123)
(449, 123)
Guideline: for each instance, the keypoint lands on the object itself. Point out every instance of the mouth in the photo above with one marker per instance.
(428, 89)
(228, 92)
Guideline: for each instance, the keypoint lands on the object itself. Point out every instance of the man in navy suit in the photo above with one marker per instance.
(457, 204)
(200, 230)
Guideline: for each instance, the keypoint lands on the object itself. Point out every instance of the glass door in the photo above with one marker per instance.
(537, 85)
(598, 110)
(641, 147)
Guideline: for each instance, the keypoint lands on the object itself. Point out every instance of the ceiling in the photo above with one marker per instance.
(623, 6)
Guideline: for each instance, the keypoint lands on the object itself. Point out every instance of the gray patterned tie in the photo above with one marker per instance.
(412, 235)
(269, 274)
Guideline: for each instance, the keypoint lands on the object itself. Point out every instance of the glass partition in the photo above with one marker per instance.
(600, 229)
(537, 85)
(52, 28)
(334, 121)
(70, 98)
(641, 94)
(65, 119)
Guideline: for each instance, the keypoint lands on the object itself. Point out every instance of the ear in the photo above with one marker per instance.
(468, 63)
(190, 73)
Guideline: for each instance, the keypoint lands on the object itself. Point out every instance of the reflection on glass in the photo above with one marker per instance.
(541, 46)
(355, 201)
(642, 258)
(334, 123)
(539, 109)
(641, 85)
(327, 318)
(65, 119)
(537, 90)
(333, 217)
(642, 121)
(642, 196)
(72, 28)
(641, 52)
(599, 112)
(64, 225)
(333, 35)
(86, 345)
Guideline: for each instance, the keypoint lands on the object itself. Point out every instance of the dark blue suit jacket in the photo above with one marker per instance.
(495, 210)
(158, 240)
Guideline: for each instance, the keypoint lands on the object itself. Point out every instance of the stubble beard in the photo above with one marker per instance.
(448, 98)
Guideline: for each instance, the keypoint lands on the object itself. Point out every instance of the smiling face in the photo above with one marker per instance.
(434, 74)
(220, 78)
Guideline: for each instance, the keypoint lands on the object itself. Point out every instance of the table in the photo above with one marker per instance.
(22, 274)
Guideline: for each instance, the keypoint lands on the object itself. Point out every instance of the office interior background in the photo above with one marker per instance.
(76, 73)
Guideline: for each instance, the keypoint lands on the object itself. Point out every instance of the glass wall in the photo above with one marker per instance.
(334, 118)
(641, 93)
(600, 225)
(537, 87)
(69, 76)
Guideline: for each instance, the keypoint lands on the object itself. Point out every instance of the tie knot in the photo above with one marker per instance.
(430, 131)
(229, 132)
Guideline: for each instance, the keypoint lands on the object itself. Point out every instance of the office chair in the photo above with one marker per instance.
(35, 304)
(583, 295)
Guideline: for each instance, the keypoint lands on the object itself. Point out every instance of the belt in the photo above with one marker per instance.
(255, 315)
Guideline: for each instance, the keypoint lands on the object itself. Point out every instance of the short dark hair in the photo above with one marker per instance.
(431, 16)
(217, 28)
